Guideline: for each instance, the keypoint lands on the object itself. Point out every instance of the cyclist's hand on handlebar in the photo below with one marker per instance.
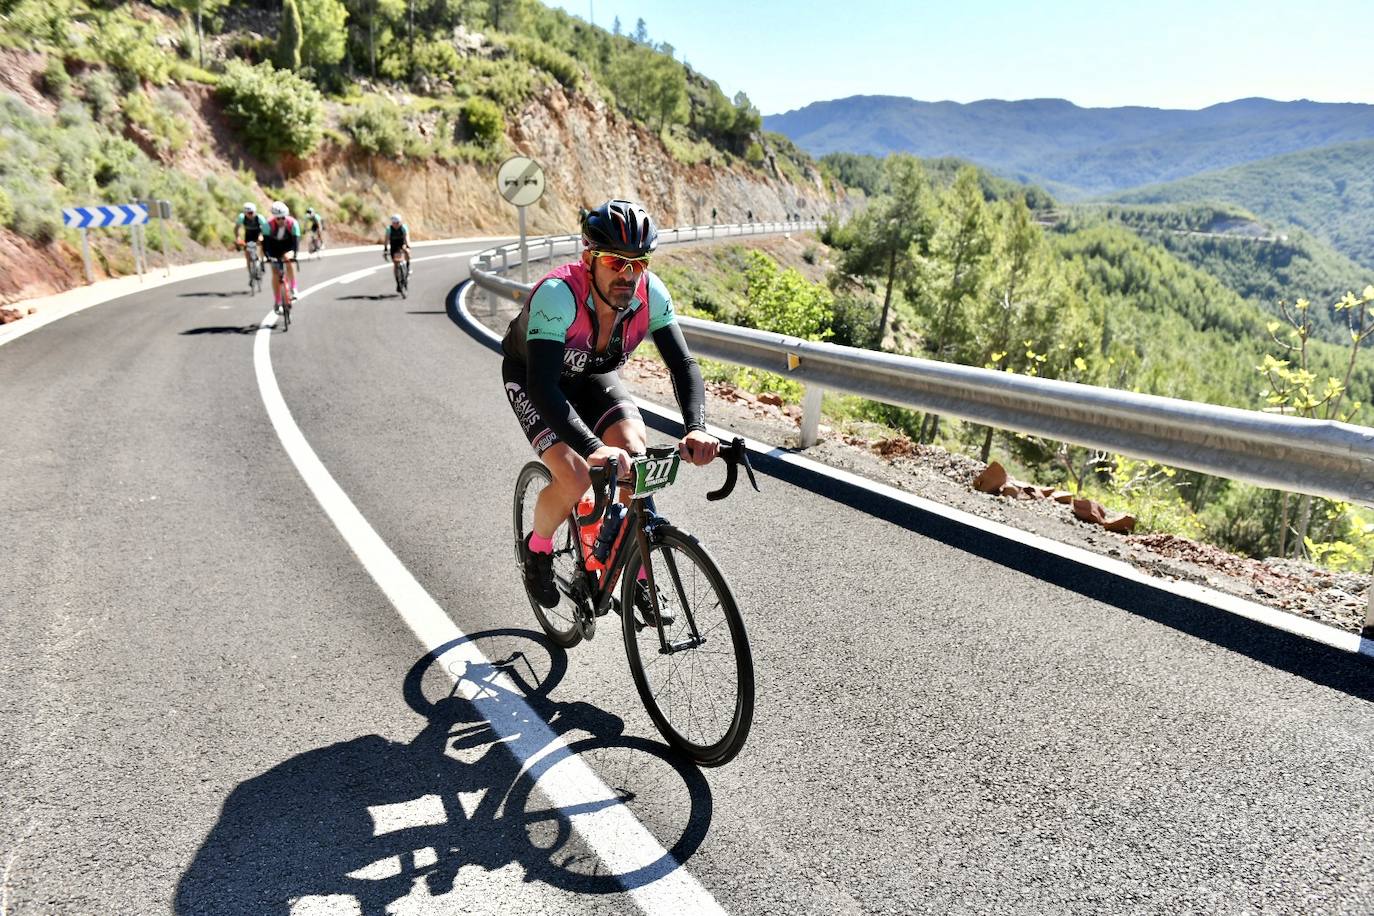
(698, 447)
(601, 456)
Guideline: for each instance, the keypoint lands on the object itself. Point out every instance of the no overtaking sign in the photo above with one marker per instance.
(520, 181)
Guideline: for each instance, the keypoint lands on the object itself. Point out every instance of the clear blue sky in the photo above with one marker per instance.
(1159, 53)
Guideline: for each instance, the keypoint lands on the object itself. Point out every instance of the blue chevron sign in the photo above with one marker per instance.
(96, 217)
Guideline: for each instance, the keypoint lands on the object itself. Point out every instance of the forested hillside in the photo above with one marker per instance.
(358, 108)
(1263, 263)
(1075, 151)
(1328, 192)
(957, 267)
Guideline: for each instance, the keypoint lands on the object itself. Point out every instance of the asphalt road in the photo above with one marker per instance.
(210, 706)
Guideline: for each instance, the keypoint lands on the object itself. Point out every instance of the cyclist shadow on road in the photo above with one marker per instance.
(362, 824)
(223, 329)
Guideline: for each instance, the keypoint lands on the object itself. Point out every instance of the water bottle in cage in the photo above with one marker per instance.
(610, 529)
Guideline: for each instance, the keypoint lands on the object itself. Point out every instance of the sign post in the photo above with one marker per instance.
(521, 182)
(85, 218)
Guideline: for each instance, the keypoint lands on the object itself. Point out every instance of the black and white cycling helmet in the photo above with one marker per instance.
(280, 209)
(621, 226)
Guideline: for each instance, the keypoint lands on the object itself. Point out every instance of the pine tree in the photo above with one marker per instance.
(289, 38)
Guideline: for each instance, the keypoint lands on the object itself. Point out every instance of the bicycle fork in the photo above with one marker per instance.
(664, 646)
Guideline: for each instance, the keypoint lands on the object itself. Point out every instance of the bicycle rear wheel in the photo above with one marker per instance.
(701, 698)
(560, 621)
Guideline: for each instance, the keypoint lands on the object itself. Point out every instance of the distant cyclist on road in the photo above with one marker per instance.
(561, 356)
(282, 239)
(314, 224)
(396, 240)
(247, 228)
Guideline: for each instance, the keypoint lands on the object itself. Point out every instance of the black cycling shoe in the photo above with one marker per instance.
(539, 575)
(645, 607)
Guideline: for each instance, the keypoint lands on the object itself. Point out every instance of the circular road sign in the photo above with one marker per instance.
(520, 181)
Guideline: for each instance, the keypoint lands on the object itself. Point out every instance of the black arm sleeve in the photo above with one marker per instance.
(541, 382)
(688, 387)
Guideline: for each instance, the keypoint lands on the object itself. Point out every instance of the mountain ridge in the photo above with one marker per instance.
(1084, 151)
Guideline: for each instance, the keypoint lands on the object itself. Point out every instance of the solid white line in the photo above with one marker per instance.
(1281, 620)
(611, 831)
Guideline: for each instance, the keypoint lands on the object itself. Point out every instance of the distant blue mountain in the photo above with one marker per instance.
(1074, 151)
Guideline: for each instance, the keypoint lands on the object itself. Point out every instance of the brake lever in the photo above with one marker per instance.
(611, 475)
(734, 455)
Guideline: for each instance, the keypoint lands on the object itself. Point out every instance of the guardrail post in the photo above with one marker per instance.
(811, 415)
(86, 254)
(505, 261)
(1369, 608)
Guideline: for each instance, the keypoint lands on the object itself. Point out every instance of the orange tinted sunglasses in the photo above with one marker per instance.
(619, 263)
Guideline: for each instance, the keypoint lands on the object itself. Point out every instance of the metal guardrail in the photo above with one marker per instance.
(1323, 458)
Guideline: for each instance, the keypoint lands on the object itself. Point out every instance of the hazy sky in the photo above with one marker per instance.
(1160, 53)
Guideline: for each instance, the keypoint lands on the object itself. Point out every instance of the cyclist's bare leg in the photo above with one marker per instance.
(291, 275)
(572, 474)
(571, 478)
(276, 286)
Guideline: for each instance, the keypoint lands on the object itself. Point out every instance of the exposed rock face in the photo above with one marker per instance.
(590, 153)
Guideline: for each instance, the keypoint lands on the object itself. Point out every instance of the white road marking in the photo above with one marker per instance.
(1280, 620)
(610, 831)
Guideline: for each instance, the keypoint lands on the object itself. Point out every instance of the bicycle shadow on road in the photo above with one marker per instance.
(372, 297)
(364, 823)
(236, 294)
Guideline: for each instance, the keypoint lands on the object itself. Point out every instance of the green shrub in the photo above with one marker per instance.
(785, 302)
(274, 110)
(102, 96)
(483, 122)
(507, 81)
(56, 82)
(45, 21)
(358, 212)
(130, 48)
(36, 214)
(376, 127)
(545, 57)
(754, 154)
(6, 208)
(166, 118)
(438, 59)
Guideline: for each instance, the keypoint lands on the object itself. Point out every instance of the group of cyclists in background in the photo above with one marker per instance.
(277, 238)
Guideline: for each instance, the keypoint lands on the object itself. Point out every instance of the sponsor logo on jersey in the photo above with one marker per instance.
(545, 439)
(575, 360)
(524, 410)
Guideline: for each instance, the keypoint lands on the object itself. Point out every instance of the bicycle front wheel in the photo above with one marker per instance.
(699, 693)
(560, 621)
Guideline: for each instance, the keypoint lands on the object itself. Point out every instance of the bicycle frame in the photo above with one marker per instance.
(642, 520)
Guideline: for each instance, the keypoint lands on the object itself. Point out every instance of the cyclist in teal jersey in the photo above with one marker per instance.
(396, 240)
(561, 355)
(248, 228)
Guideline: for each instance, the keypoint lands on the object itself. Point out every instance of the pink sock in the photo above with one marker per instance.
(540, 545)
(643, 576)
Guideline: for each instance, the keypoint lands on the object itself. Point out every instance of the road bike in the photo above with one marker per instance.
(401, 268)
(316, 243)
(685, 640)
(283, 299)
(254, 268)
